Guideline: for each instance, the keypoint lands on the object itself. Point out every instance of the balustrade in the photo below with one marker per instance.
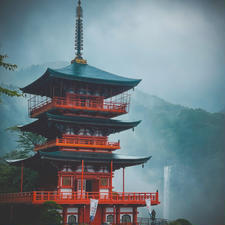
(38, 105)
(40, 197)
(81, 142)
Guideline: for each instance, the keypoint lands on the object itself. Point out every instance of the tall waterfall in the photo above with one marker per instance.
(166, 192)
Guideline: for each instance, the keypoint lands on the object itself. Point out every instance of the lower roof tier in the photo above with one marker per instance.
(119, 161)
(51, 125)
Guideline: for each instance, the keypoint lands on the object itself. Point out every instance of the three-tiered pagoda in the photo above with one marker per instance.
(74, 109)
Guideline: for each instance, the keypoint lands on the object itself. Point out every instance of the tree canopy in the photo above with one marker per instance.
(8, 66)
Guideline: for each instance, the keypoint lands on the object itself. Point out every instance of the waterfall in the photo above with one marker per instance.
(166, 192)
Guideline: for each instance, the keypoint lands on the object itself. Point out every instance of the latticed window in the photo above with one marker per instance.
(71, 219)
(104, 182)
(126, 219)
(110, 219)
(66, 181)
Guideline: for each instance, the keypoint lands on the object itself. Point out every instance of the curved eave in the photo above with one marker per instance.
(42, 125)
(118, 160)
(80, 73)
(26, 161)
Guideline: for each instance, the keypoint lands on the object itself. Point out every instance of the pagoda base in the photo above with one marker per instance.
(110, 214)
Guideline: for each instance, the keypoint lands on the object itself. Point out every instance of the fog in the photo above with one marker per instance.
(176, 47)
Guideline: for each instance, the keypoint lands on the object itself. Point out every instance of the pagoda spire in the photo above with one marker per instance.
(79, 35)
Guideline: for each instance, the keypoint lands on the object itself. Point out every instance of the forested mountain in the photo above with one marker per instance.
(190, 141)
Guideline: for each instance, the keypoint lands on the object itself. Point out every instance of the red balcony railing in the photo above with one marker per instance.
(39, 197)
(38, 105)
(81, 142)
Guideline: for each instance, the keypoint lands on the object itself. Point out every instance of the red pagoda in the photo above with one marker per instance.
(74, 107)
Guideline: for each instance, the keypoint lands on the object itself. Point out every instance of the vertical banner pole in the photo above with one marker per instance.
(123, 179)
(21, 178)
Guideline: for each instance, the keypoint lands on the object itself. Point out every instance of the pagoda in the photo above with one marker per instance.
(75, 107)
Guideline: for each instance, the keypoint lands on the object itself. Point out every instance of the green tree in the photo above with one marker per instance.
(10, 175)
(12, 67)
(26, 142)
(180, 222)
(49, 214)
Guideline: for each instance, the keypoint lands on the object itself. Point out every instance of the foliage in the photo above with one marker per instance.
(180, 222)
(10, 178)
(10, 175)
(27, 140)
(49, 214)
(5, 65)
(12, 67)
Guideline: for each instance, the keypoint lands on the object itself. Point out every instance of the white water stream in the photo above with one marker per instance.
(166, 192)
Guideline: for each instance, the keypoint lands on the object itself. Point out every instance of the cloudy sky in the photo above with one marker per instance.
(176, 46)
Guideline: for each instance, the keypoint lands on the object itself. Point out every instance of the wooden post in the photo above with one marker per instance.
(21, 178)
(123, 180)
(117, 215)
(111, 174)
(64, 215)
(82, 178)
(135, 216)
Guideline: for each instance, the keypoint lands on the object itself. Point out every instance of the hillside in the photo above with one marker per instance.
(190, 141)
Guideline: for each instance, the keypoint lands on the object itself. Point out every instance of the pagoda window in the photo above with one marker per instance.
(104, 182)
(98, 133)
(126, 219)
(110, 219)
(70, 130)
(79, 185)
(72, 219)
(66, 181)
(85, 132)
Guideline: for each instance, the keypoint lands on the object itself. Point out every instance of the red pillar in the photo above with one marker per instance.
(64, 215)
(82, 178)
(103, 214)
(135, 216)
(117, 215)
(21, 178)
(111, 174)
(80, 214)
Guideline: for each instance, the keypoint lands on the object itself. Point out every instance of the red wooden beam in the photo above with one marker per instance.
(111, 174)
(82, 178)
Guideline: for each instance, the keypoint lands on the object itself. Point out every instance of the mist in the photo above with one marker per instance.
(176, 47)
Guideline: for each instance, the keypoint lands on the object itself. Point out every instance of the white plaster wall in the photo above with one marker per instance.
(72, 210)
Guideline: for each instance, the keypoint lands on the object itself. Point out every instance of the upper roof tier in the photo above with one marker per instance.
(82, 74)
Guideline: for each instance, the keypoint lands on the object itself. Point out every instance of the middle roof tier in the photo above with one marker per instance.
(51, 125)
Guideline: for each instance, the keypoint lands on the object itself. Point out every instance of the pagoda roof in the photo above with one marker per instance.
(81, 73)
(48, 122)
(119, 160)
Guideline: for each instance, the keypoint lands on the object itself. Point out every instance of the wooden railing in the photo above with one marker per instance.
(38, 105)
(39, 197)
(20, 197)
(81, 142)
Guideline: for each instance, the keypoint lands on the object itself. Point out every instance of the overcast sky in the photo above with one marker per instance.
(176, 46)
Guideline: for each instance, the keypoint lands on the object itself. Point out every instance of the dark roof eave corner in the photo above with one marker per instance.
(137, 123)
(145, 160)
(137, 82)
